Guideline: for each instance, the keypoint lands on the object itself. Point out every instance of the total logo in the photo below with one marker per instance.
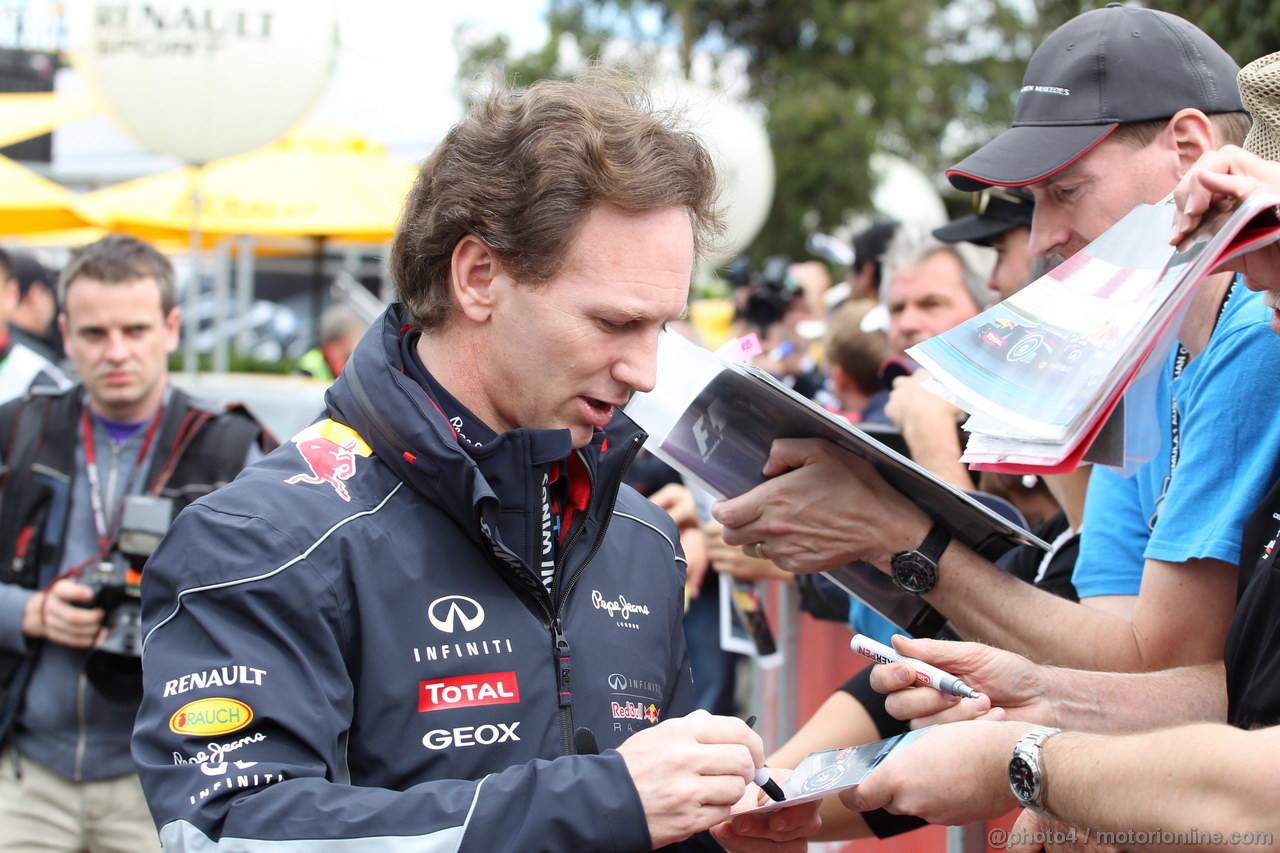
(211, 717)
(467, 736)
(452, 613)
(635, 711)
(468, 691)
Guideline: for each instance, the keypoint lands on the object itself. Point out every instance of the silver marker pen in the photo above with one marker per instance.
(929, 676)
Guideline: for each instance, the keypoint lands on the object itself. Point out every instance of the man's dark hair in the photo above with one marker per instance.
(117, 259)
(6, 266)
(29, 272)
(523, 170)
(869, 247)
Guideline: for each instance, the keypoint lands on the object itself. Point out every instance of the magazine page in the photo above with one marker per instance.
(1039, 370)
(722, 438)
(824, 774)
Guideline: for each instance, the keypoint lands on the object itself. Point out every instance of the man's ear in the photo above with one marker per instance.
(474, 270)
(1189, 134)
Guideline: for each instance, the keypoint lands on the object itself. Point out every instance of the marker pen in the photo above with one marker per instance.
(762, 779)
(929, 676)
(769, 786)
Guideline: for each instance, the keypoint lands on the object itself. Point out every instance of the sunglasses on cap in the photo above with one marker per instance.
(982, 198)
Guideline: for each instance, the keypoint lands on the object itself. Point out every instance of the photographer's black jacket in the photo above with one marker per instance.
(350, 643)
(195, 451)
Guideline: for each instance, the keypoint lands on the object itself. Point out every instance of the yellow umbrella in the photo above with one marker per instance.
(310, 184)
(30, 203)
(28, 114)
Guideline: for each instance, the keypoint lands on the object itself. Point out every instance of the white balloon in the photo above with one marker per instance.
(902, 192)
(205, 79)
(735, 137)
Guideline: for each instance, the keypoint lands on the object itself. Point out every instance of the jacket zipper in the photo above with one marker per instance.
(559, 643)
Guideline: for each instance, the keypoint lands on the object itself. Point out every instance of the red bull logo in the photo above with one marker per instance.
(330, 450)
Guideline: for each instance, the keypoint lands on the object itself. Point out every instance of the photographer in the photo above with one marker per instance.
(75, 464)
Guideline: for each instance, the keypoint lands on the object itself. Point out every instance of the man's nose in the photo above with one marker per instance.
(637, 367)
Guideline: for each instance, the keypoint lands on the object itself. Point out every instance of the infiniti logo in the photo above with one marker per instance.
(617, 682)
(453, 611)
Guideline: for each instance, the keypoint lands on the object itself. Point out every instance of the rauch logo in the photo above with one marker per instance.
(214, 716)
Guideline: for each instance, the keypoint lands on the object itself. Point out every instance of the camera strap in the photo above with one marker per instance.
(97, 500)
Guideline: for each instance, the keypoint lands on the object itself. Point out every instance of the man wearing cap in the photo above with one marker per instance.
(1001, 220)
(31, 321)
(1116, 105)
(21, 367)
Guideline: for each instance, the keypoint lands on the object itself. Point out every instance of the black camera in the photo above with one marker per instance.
(114, 667)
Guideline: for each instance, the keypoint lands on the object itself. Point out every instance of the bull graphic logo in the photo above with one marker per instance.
(329, 462)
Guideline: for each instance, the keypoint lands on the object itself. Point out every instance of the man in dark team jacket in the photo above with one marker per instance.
(437, 620)
(72, 459)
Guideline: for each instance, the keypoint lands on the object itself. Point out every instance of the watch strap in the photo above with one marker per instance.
(1029, 748)
(935, 543)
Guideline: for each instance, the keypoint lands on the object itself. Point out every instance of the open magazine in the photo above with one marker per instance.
(715, 421)
(1041, 372)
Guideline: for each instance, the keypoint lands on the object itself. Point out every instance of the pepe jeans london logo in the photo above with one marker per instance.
(619, 607)
(456, 613)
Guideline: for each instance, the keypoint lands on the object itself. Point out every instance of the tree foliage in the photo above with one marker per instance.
(925, 80)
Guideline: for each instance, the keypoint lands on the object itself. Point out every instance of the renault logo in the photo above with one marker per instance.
(456, 612)
(617, 682)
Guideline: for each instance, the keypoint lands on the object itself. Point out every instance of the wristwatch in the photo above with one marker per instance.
(1026, 774)
(917, 571)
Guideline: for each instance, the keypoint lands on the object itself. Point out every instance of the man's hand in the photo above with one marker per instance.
(678, 501)
(928, 426)
(785, 830)
(1013, 687)
(729, 560)
(823, 507)
(690, 771)
(1217, 182)
(54, 615)
(954, 774)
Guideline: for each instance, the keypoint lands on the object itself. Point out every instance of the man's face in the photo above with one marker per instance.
(562, 355)
(118, 337)
(926, 300)
(1075, 206)
(8, 301)
(1013, 262)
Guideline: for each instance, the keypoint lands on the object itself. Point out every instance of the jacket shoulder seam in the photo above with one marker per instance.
(294, 560)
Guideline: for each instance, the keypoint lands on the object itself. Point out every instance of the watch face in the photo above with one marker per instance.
(914, 572)
(1022, 779)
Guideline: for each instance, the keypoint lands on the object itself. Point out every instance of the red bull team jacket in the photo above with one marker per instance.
(350, 646)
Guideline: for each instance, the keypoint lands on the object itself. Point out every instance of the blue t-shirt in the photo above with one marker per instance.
(1228, 435)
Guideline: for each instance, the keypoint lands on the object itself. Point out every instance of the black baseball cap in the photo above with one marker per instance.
(996, 211)
(1107, 67)
(30, 272)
